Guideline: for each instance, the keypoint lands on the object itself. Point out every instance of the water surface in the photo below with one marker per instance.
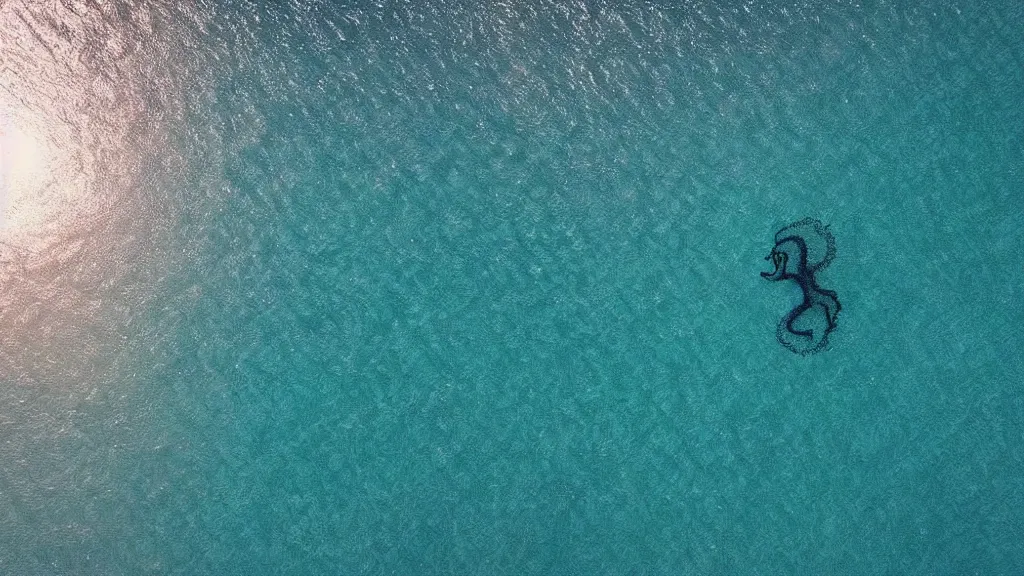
(416, 288)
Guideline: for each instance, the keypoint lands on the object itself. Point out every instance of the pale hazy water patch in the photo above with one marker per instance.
(95, 188)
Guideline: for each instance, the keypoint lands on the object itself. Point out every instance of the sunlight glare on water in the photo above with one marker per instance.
(24, 172)
(84, 212)
(89, 194)
(47, 179)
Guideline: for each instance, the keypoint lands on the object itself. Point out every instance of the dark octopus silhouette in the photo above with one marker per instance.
(802, 249)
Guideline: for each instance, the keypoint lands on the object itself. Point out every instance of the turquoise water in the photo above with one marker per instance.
(422, 288)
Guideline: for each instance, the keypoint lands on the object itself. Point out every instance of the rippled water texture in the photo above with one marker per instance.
(428, 287)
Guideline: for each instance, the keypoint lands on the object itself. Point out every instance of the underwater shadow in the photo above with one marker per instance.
(801, 250)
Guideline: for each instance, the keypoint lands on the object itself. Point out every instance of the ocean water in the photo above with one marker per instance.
(431, 287)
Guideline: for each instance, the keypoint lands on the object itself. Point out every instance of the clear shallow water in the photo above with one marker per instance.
(426, 289)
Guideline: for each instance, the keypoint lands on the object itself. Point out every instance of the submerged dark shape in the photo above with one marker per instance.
(802, 249)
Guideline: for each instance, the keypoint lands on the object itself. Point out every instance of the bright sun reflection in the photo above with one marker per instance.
(79, 254)
(45, 182)
(23, 167)
(62, 124)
